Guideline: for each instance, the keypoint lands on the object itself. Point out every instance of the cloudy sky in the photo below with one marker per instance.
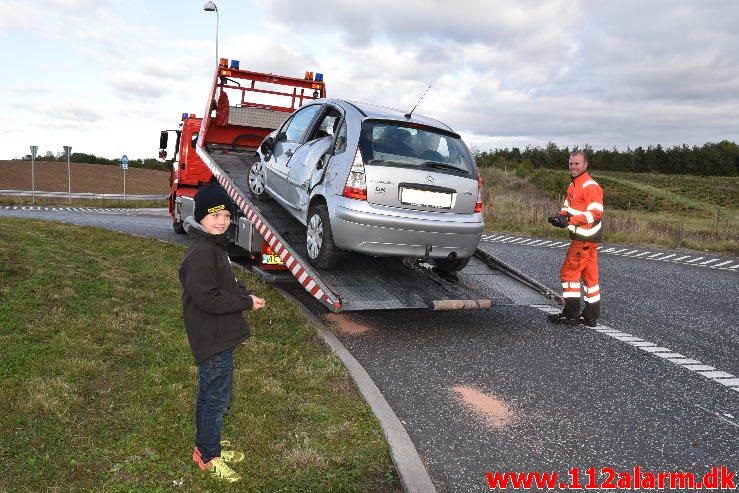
(105, 76)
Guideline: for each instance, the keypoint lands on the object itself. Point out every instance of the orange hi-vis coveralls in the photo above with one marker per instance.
(584, 209)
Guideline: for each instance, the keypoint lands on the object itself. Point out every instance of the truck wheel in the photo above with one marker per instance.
(448, 266)
(256, 181)
(178, 228)
(322, 252)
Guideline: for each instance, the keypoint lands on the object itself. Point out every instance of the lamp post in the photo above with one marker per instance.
(34, 150)
(68, 149)
(210, 7)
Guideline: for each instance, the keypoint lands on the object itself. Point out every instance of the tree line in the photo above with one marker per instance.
(714, 159)
(81, 157)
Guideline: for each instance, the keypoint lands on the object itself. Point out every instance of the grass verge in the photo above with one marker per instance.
(97, 382)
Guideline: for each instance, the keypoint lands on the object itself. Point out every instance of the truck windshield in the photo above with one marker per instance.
(393, 144)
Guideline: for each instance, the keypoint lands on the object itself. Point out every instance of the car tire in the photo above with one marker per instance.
(178, 227)
(322, 252)
(257, 182)
(448, 266)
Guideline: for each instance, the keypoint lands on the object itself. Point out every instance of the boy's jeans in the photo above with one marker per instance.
(214, 396)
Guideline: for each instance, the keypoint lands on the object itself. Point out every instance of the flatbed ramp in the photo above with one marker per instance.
(361, 282)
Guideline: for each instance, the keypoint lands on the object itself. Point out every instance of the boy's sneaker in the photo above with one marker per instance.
(220, 470)
(231, 456)
(588, 322)
(560, 318)
(216, 466)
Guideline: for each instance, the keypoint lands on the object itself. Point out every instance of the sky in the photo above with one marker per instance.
(105, 76)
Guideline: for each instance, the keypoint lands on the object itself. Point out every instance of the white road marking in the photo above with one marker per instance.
(621, 252)
(726, 379)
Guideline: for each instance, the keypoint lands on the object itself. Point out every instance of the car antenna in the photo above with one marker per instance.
(408, 115)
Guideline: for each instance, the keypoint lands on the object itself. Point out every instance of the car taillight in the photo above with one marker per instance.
(356, 185)
(478, 205)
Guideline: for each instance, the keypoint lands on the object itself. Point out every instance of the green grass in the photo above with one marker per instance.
(97, 382)
(60, 202)
(673, 211)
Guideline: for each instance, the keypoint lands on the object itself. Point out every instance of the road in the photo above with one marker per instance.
(504, 390)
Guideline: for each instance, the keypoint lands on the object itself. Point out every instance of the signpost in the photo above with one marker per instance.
(68, 150)
(124, 167)
(34, 150)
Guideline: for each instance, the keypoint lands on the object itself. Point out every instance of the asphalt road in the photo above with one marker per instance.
(504, 390)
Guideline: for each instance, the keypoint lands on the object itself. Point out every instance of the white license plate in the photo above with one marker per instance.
(426, 198)
(271, 259)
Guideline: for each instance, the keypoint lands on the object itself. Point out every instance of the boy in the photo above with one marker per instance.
(212, 302)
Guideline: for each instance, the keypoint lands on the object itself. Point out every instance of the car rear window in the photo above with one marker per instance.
(395, 144)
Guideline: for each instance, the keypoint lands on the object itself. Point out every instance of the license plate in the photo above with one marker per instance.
(426, 198)
(271, 259)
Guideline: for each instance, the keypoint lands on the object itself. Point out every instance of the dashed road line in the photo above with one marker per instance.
(699, 261)
(99, 210)
(726, 379)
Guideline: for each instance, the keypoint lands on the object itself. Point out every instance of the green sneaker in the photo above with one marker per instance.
(220, 470)
(231, 456)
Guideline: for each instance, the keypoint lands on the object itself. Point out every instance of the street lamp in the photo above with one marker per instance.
(210, 7)
(68, 149)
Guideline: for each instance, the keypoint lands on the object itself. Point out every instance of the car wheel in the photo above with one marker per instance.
(322, 252)
(449, 265)
(178, 228)
(257, 182)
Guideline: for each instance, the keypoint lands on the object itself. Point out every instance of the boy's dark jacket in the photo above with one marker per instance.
(212, 300)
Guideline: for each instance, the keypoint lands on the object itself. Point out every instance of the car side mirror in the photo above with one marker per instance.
(194, 140)
(281, 136)
(163, 139)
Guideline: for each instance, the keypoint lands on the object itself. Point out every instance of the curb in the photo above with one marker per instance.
(413, 475)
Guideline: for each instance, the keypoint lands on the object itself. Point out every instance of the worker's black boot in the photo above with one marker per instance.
(569, 315)
(561, 318)
(590, 314)
(588, 322)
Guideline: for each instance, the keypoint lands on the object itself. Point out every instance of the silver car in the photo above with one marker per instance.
(374, 180)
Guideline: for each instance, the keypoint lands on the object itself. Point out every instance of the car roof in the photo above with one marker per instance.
(384, 113)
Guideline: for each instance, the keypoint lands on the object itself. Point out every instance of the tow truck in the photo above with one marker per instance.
(242, 108)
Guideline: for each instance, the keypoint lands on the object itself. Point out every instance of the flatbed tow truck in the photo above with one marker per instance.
(221, 147)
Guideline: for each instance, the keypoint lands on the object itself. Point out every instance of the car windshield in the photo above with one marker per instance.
(393, 144)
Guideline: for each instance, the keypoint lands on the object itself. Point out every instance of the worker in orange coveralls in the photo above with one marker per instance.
(581, 215)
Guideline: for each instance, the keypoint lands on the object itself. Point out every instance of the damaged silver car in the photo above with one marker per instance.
(373, 180)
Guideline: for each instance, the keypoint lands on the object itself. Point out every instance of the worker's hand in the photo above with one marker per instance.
(559, 221)
(257, 302)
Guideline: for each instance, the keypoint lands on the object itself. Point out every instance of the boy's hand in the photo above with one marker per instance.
(257, 302)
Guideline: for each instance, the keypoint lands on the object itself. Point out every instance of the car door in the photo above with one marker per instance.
(288, 139)
(306, 166)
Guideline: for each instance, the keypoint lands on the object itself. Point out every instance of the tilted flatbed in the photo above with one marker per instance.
(361, 282)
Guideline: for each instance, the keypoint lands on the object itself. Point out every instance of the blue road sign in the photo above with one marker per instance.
(124, 162)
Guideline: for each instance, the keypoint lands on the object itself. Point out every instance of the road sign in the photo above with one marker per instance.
(124, 162)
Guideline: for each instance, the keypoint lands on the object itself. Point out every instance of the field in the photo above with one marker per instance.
(97, 381)
(675, 211)
(94, 178)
